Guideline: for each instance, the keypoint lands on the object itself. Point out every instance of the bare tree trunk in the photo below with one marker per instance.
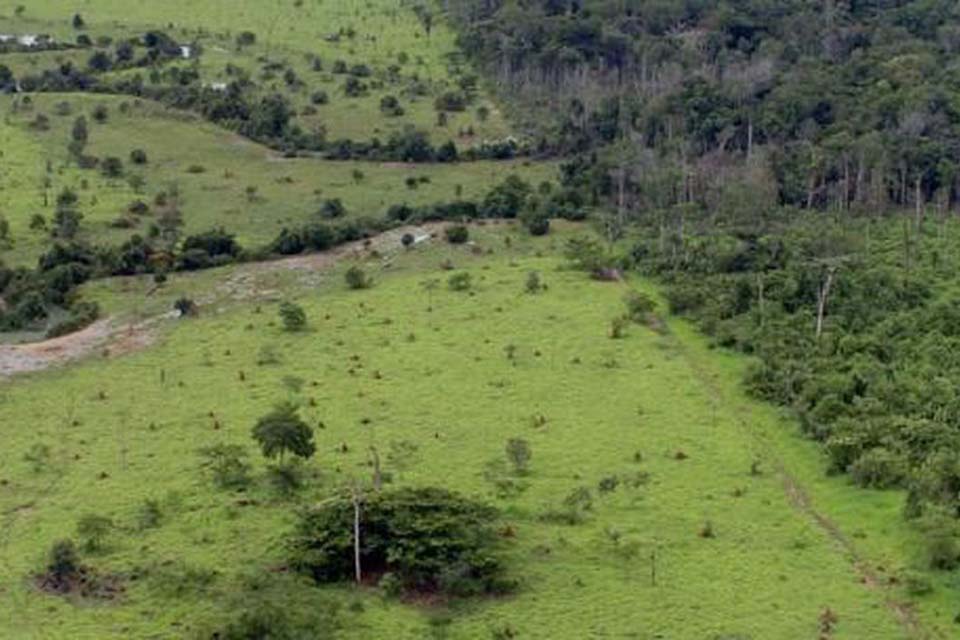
(749, 136)
(822, 296)
(358, 573)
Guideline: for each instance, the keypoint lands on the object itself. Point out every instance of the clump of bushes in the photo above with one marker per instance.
(357, 278)
(424, 540)
(457, 234)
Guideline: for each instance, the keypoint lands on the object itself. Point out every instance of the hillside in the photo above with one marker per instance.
(479, 320)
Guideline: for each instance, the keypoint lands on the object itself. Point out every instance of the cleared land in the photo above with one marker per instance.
(407, 363)
(377, 33)
(211, 168)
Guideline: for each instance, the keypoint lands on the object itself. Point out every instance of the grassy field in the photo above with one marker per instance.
(411, 362)
(384, 33)
(178, 145)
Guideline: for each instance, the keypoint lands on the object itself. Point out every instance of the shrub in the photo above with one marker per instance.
(356, 278)
(407, 240)
(536, 222)
(246, 38)
(93, 530)
(186, 307)
(293, 316)
(533, 284)
(138, 156)
(457, 234)
(100, 113)
(878, 468)
(227, 463)
(519, 454)
(332, 209)
(618, 328)
(940, 540)
(63, 569)
(390, 106)
(112, 167)
(431, 540)
(639, 305)
(319, 97)
(461, 281)
(451, 101)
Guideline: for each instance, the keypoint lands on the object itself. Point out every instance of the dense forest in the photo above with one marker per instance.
(820, 105)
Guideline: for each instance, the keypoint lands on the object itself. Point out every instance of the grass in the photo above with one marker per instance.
(289, 191)
(287, 32)
(611, 408)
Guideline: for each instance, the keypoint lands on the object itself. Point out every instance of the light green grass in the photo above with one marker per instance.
(384, 29)
(768, 573)
(290, 191)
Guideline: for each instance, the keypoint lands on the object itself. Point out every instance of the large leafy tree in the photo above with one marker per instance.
(282, 432)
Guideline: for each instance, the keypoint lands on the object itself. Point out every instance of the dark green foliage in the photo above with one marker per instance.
(507, 199)
(186, 307)
(536, 221)
(333, 208)
(293, 316)
(639, 305)
(461, 281)
(390, 106)
(112, 167)
(430, 540)
(63, 567)
(457, 234)
(217, 245)
(283, 431)
(812, 88)
(356, 278)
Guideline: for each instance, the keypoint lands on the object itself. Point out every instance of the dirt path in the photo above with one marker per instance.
(111, 337)
(800, 500)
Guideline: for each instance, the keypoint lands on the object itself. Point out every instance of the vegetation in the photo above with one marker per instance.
(369, 319)
(418, 540)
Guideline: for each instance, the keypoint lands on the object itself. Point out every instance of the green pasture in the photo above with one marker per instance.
(410, 361)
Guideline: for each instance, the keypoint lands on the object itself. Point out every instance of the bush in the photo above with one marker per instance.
(356, 278)
(333, 208)
(431, 540)
(878, 468)
(228, 465)
(186, 307)
(293, 316)
(457, 234)
(138, 156)
(93, 529)
(519, 454)
(533, 284)
(451, 101)
(461, 281)
(536, 222)
(112, 167)
(82, 315)
(639, 305)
